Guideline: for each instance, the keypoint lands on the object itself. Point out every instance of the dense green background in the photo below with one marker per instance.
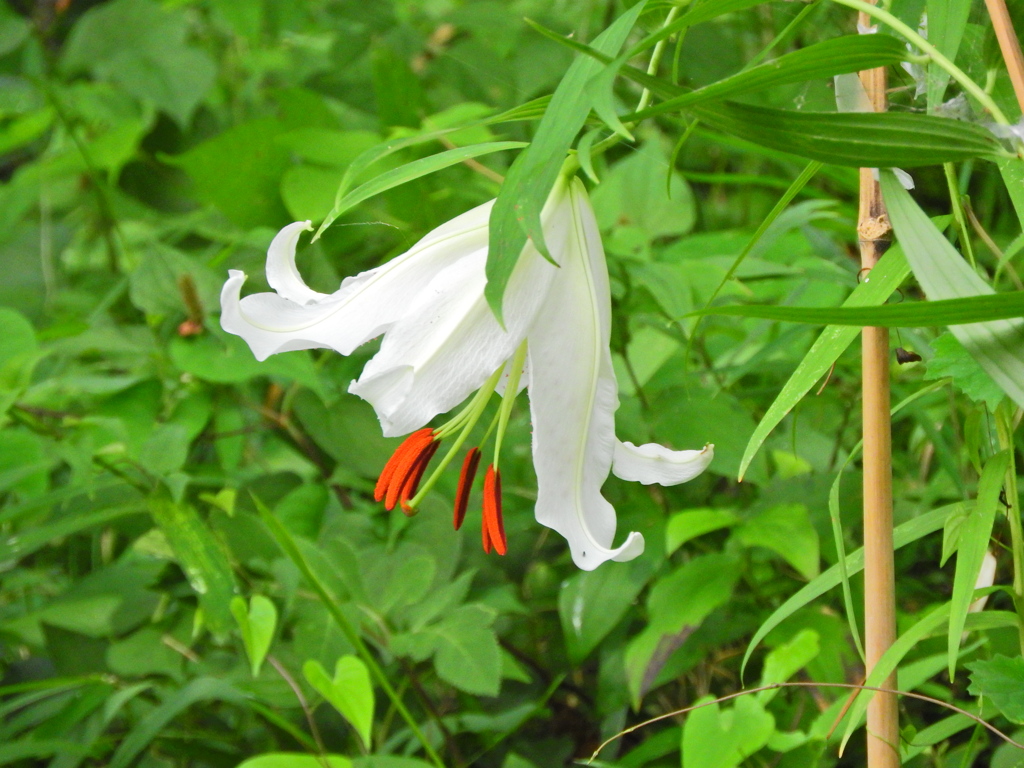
(147, 147)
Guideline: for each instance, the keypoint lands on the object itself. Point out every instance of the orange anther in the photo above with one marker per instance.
(466, 477)
(407, 452)
(412, 481)
(494, 527)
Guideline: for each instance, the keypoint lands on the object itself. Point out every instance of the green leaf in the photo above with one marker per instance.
(974, 540)
(295, 760)
(140, 45)
(633, 195)
(786, 530)
(947, 21)
(997, 346)
(257, 625)
(691, 523)
(841, 55)
(349, 691)
(408, 172)
(854, 139)
(715, 738)
(1001, 681)
(516, 213)
(201, 557)
(786, 660)
(1012, 170)
(707, 582)
(239, 172)
(467, 652)
(975, 309)
(952, 360)
(887, 664)
(904, 534)
(702, 12)
(885, 277)
(591, 603)
(147, 729)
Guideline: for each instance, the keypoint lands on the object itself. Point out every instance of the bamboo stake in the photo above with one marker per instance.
(879, 571)
(1009, 45)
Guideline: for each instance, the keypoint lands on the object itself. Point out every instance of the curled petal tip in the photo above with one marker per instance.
(652, 463)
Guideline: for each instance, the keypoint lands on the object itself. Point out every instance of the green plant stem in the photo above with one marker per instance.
(958, 212)
(292, 551)
(1004, 433)
(952, 69)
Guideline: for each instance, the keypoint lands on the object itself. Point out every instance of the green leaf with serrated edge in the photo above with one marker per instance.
(974, 539)
(975, 309)
(885, 278)
(202, 558)
(467, 653)
(516, 213)
(349, 691)
(1001, 681)
(998, 346)
(410, 171)
(691, 523)
(854, 139)
(953, 361)
(946, 22)
(257, 624)
(887, 664)
(838, 56)
(150, 726)
(904, 534)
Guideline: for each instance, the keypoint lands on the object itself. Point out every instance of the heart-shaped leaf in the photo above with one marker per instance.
(257, 625)
(350, 692)
(713, 738)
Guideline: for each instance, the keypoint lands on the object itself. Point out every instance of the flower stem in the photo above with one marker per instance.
(511, 390)
(954, 71)
(466, 420)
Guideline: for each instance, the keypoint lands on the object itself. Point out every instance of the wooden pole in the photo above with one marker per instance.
(879, 578)
(1009, 45)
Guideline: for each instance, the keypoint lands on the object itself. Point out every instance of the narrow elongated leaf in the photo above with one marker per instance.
(885, 277)
(997, 346)
(516, 213)
(947, 20)
(201, 557)
(410, 171)
(886, 665)
(703, 12)
(200, 689)
(904, 534)
(838, 56)
(976, 309)
(858, 140)
(974, 537)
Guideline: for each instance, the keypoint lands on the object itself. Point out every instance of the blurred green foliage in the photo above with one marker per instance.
(149, 616)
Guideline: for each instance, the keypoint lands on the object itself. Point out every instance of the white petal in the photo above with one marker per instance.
(282, 274)
(363, 307)
(573, 397)
(449, 343)
(652, 463)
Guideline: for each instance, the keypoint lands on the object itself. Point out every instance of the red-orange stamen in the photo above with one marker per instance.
(412, 482)
(494, 527)
(391, 480)
(466, 477)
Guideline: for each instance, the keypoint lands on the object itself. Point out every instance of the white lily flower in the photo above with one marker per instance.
(441, 344)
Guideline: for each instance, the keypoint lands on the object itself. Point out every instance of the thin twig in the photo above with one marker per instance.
(297, 690)
(802, 684)
(475, 165)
